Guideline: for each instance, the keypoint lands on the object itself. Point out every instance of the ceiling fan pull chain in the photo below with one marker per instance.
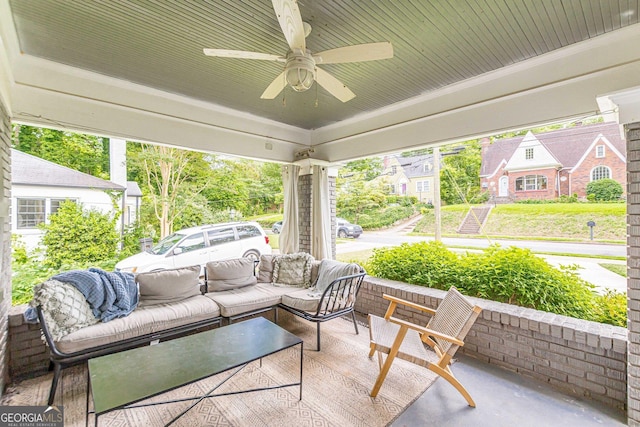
(316, 103)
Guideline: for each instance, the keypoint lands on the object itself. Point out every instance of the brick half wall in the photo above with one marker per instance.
(579, 357)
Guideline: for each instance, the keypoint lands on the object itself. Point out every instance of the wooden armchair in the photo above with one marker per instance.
(444, 333)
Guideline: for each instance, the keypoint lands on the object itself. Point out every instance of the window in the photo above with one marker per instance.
(247, 231)
(30, 212)
(528, 153)
(394, 169)
(427, 167)
(531, 182)
(600, 151)
(221, 235)
(390, 188)
(192, 243)
(600, 172)
(423, 186)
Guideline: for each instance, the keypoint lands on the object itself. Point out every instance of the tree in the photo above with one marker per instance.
(84, 153)
(460, 174)
(171, 175)
(76, 235)
(368, 169)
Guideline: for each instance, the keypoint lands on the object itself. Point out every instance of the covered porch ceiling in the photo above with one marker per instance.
(461, 69)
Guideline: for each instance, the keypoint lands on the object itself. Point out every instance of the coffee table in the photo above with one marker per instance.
(121, 380)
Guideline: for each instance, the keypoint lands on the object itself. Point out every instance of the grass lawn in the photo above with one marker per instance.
(620, 269)
(556, 221)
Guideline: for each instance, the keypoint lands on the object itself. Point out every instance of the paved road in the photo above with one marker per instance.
(589, 268)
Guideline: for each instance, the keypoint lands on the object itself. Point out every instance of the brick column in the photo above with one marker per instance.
(304, 212)
(632, 132)
(5, 242)
(305, 208)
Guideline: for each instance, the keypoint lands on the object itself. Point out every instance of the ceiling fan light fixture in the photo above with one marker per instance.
(300, 72)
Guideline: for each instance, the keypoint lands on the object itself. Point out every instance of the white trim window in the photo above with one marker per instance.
(600, 172)
(423, 186)
(531, 182)
(599, 151)
(528, 153)
(30, 212)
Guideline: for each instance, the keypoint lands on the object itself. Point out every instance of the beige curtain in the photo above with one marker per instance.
(321, 216)
(289, 236)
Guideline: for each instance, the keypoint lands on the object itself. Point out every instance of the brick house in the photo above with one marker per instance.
(552, 164)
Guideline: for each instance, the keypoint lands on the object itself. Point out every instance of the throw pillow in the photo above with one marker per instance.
(159, 287)
(330, 270)
(292, 270)
(64, 308)
(230, 274)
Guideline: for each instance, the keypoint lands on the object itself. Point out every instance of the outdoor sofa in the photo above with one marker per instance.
(175, 302)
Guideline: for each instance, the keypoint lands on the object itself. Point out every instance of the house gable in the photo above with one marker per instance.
(599, 140)
(531, 154)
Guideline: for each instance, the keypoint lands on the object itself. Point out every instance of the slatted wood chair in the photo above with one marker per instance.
(443, 334)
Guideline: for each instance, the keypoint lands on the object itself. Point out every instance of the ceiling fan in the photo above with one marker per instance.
(300, 65)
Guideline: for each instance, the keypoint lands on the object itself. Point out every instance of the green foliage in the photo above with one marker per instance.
(75, 235)
(460, 175)
(604, 190)
(379, 218)
(368, 168)
(511, 275)
(84, 153)
(612, 308)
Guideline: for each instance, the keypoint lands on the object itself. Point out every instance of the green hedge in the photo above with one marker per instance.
(510, 275)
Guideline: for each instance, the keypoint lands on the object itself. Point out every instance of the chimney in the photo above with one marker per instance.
(118, 161)
(484, 146)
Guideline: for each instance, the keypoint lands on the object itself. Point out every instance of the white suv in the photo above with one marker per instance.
(199, 245)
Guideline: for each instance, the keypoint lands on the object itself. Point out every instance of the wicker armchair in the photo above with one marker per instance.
(443, 335)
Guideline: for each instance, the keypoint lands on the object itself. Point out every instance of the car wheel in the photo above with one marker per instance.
(342, 234)
(252, 255)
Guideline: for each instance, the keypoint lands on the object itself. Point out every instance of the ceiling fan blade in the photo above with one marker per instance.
(275, 87)
(334, 86)
(291, 23)
(241, 54)
(356, 53)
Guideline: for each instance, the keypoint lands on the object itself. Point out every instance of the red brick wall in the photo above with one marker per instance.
(582, 175)
(549, 193)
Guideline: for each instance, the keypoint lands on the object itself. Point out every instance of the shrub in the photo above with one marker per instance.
(75, 235)
(512, 275)
(604, 190)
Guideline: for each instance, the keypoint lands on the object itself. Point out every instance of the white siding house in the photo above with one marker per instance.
(39, 186)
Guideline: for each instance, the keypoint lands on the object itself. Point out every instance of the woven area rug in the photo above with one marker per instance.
(335, 391)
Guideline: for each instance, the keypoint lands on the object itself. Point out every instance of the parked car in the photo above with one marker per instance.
(277, 227)
(345, 229)
(199, 245)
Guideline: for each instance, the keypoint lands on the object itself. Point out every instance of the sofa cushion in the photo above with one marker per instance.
(230, 274)
(65, 309)
(248, 299)
(265, 268)
(165, 286)
(330, 270)
(292, 270)
(303, 299)
(142, 321)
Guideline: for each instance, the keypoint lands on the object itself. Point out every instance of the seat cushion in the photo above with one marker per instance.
(303, 299)
(142, 321)
(247, 299)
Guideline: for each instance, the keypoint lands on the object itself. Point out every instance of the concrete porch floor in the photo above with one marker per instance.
(503, 399)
